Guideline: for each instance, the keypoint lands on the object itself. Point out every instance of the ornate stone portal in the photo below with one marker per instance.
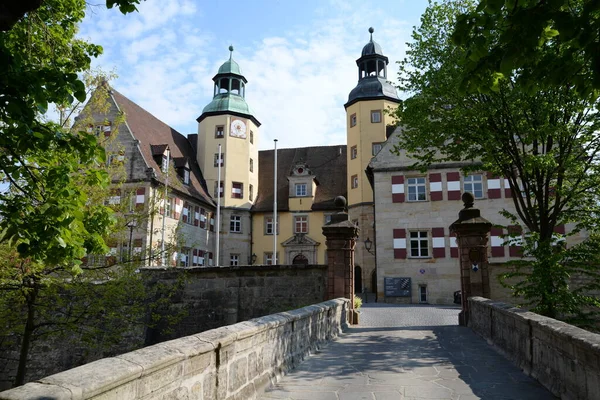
(300, 246)
(471, 232)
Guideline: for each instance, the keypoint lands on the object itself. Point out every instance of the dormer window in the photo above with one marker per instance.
(165, 163)
(301, 189)
(186, 176)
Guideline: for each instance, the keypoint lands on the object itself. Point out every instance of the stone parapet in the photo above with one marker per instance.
(563, 358)
(232, 362)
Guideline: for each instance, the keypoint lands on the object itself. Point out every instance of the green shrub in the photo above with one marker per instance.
(357, 302)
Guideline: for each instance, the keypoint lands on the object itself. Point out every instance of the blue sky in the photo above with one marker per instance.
(298, 56)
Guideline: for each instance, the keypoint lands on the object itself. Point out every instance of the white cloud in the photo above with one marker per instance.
(299, 79)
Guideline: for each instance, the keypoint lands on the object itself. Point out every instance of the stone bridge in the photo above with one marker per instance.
(404, 352)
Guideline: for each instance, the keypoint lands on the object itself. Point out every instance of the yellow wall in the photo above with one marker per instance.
(237, 158)
(363, 135)
(262, 243)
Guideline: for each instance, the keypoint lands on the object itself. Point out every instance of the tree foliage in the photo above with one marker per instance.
(537, 43)
(544, 142)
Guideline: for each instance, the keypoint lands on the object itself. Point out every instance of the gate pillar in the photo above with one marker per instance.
(471, 232)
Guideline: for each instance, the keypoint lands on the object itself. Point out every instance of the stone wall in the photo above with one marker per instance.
(563, 358)
(232, 362)
(214, 297)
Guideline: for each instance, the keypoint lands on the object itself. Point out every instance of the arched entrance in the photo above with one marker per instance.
(300, 259)
(358, 280)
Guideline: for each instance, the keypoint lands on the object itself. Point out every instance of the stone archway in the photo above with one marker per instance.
(358, 286)
(300, 259)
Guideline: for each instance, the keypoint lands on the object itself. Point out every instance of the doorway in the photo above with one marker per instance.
(358, 280)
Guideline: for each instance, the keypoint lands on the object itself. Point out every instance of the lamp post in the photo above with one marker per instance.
(369, 245)
(131, 224)
(254, 258)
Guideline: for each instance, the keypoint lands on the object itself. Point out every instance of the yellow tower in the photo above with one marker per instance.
(228, 121)
(367, 124)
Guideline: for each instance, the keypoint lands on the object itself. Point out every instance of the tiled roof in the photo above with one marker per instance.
(152, 133)
(327, 163)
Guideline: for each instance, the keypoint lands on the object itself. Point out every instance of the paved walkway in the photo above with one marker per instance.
(407, 352)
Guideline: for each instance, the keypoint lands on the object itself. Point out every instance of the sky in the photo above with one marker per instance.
(299, 58)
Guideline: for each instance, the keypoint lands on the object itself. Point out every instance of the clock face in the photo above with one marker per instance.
(238, 129)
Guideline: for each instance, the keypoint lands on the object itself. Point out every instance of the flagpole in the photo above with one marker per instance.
(274, 258)
(218, 227)
(164, 216)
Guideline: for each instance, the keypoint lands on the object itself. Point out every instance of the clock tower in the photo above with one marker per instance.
(366, 130)
(228, 121)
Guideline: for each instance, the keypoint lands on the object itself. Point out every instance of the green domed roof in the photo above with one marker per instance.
(228, 102)
(230, 67)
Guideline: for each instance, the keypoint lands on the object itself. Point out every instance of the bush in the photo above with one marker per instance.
(357, 302)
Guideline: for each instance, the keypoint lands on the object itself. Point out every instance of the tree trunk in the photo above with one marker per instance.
(27, 336)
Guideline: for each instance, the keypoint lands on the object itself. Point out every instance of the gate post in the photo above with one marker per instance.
(340, 237)
(471, 232)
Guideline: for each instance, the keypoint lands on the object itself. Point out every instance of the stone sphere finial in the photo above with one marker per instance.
(371, 30)
(468, 199)
(340, 202)
(231, 48)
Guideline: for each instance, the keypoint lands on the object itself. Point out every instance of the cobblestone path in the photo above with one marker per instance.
(405, 353)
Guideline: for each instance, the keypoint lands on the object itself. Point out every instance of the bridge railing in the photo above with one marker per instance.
(232, 362)
(563, 358)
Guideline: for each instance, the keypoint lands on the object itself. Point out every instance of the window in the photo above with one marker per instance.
(237, 190)
(353, 120)
(186, 176)
(165, 164)
(219, 131)
(419, 244)
(251, 137)
(234, 260)
(170, 207)
(353, 152)
(184, 259)
(188, 213)
(327, 218)
(235, 224)
(251, 165)
(474, 185)
(376, 148)
(218, 189)
(269, 226)
(354, 181)
(301, 224)
(376, 116)
(301, 189)
(250, 192)
(416, 189)
(268, 257)
(217, 159)
(423, 294)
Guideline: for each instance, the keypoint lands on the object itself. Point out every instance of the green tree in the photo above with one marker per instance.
(545, 143)
(536, 43)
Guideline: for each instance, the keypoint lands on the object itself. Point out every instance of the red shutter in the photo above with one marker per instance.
(453, 184)
(140, 198)
(438, 242)
(497, 242)
(398, 189)
(560, 229)
(435, 187)
(507, 191)
(493, 184)
(515, 251)
(453, 246)
(399, 243)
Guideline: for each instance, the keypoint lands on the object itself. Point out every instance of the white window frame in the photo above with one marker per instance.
(268, 258)
(300, 223)
(269, 225)
(374, 146)
(234, 260)
(186, 176)
(354, 181)
(221, 131)
(164, 165)
(301, 189)
(376, 116)
(353, 120)
(412, 188)
(422, 239)
(470, 182)
(235, 223)
(353, 152)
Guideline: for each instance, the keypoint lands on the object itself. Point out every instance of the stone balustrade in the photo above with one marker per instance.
(232, 362)
(563, 358)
